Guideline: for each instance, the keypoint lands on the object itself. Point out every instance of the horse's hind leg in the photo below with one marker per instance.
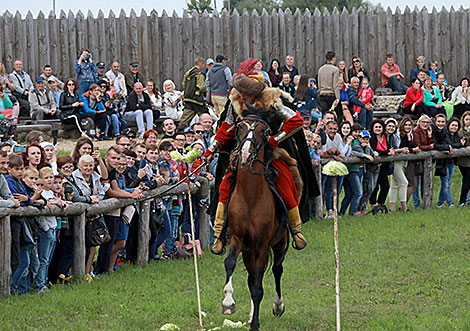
(256, 266)
(228, 304)
(279, 251)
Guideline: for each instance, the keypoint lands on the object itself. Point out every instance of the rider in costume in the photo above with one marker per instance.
(250, 85)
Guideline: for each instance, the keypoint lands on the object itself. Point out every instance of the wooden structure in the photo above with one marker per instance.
(166, 45)
(79, 211)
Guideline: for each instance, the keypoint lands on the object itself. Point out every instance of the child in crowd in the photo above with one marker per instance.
(369, 171)
(314, 145)
(365, 94)
(48, 224)
(114, 117)
(353, 181)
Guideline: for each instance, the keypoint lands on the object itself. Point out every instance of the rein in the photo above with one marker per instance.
(252, 121)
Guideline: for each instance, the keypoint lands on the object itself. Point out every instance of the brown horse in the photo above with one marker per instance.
(254, 220)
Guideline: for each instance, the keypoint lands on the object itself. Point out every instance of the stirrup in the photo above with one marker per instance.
(294, 245)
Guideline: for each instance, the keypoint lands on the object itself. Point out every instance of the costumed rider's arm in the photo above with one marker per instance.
(225, 133)
(292, 122)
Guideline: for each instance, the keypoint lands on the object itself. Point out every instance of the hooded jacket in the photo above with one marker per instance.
(194, 86)
(219, 80)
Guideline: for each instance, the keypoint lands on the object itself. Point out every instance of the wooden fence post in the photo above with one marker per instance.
(79, 251)
(318, 201)
(5, 257)
(427, 183)
(144, 234)
(204, 228)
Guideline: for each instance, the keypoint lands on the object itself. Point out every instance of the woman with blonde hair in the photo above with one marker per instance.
(357, 70)
(172, 100)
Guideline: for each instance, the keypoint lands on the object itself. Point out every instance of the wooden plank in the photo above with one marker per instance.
(275, 43)
(217, 47)
(371, 56)
(7, 37)
(318, 201)
(92, 35)
(389, 32)
(435, 39)
(143, 234)
(427, 183)
(426, 32)
(354, 33)
(445, 42)
(79, 252)
(455, 45)
(299, 42)
(381, 46)
(54, 50)
(227, 46)
(283, 50)
(177, 32)
(346, 36)
(113, 50)
(265, 41)
(463, 50)
(327, 31)
(30, 59)
(245, 41)
(19, 45)
(156, 52)
(43, 44)
(167, 46)
(5, 256)
(399, 34)
(409, 59)
(289, 34)
(256, 42)
(362, 39)
(309, 39)
(133, 41)
(101, 48)
(204, 228)
(72, 46)
(123, 38)
(82, 37)
(63, 69)
(145, 45)
(336, 34)
(206, 23)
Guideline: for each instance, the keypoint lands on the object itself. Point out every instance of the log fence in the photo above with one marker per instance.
(166, 45)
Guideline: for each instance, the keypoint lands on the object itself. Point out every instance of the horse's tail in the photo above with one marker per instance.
(281, 153)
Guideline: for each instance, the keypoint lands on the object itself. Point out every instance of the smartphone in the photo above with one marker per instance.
(19, 149)
(143, 163)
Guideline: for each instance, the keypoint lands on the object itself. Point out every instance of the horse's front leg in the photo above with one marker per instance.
(255, 266)
(228, 304)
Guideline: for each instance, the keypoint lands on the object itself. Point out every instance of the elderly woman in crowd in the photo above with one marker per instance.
(432, 98)
(88, 188)
(357, 69)
(84, 146)
(172, 100)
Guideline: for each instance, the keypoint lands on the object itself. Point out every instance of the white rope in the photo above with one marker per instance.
(195, 252)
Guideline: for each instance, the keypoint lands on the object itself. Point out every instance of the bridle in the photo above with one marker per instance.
(252, 122)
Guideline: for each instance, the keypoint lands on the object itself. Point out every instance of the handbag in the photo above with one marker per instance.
(96, 231)
(419, 168)
(186, 243)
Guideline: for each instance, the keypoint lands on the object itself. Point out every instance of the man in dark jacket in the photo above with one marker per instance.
(133, 76)
(139, 106)
(194, 91)
(219, 82)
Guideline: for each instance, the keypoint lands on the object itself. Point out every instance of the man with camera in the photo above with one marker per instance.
(86, 70)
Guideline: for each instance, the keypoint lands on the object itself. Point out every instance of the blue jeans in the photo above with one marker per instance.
(119, 125)
(138, 117)
(45, 250)
(328, 184)
(164, 230)
(24, 274)
(173, 229)
(352, 192)
(369, 182)
(416, 192)
(444, 192)
(366, 117)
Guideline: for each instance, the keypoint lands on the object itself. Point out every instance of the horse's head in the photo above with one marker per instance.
(252, 135)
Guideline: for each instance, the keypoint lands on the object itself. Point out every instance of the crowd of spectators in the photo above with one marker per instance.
(336, 105)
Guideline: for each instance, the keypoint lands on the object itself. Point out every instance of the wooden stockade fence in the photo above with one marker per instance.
(78, 213)
(167, 45)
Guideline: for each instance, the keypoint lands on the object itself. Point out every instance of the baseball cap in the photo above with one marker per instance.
(209, 61)
(188, 130)
(364, 134)
(100, 64)
(220, 58)
(134, 64)
(40, 79)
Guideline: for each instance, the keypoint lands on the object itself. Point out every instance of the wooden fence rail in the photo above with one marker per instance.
(426, 157)
(166, 45)
(78, 212)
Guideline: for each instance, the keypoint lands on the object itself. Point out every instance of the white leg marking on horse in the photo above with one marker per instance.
(228, 291)
(251, 312)
(278, 306)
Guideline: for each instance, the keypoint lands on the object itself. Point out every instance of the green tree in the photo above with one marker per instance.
(199, 6)
(329, 4)
(250, 5)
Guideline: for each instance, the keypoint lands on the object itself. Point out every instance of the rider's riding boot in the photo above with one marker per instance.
(219, 242)
(299, 241)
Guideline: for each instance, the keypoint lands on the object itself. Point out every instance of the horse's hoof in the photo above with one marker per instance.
(278, 311)
(229, 310)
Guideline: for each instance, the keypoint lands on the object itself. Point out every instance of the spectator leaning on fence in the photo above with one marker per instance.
(23, 85)
(86, 70)
(219, 83)
(391, 75)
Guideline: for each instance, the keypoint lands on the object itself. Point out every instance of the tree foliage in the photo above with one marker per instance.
(199, 6)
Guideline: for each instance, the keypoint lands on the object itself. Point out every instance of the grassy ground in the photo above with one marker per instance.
(398, 271)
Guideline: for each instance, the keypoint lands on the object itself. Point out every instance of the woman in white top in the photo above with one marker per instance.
(155, 96)
(172, 100)
(461, 98)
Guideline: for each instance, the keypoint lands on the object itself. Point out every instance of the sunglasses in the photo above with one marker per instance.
(131, 136)
(199, 131)
(356, 61)
(70, 84)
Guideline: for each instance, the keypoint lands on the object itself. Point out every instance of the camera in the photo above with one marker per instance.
(88, 56)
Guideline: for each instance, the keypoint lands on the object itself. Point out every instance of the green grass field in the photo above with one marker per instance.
(401, 271)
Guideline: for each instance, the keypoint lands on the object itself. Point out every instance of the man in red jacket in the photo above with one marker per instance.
(250, 89)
